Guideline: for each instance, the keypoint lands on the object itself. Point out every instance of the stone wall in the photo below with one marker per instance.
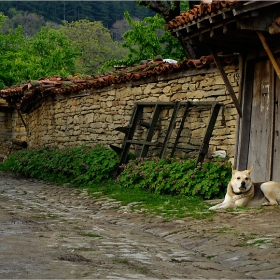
(91, 116)
(11, 128)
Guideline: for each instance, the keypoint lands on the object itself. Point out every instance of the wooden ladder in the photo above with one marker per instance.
(129, 130)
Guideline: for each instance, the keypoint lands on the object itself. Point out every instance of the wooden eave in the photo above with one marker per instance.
(233, 28)
(242, 28)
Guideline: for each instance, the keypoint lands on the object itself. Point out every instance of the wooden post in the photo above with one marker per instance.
(240, 92)
(269, 53)
(226, 81)
(21, 117)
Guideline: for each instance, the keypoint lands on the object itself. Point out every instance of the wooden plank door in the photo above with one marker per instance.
(262, 120)
(276, 136)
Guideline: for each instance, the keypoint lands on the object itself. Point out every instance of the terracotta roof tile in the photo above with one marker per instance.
(29, 93)
(199, 11)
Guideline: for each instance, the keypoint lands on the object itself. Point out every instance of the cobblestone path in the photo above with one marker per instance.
(49, 231)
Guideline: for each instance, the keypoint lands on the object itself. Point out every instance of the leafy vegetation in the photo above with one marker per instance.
(178, 177)
(146, 40)
(75, 165)
(56, 11)
(146, 185)
(95, 43)
(31, 47)
(47, 53)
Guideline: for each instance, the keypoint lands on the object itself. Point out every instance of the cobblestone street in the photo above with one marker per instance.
(49, 231)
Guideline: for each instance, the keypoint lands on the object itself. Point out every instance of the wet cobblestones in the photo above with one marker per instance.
(49, 231)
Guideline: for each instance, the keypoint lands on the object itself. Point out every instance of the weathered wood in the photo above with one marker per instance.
(170, 129)
(21, 117)
(151, 130)
(143, 143)
(269, 53)
(122, 129)
(231, 43)
(187, 106)
(135, 117)
(242, 147)
(118, 150)
(226, 81)
(241, 83)
(208, 134)
(19, 143)
(259, 153)
(251, 6)
(145, 124)
(276, 137)
(135, 120)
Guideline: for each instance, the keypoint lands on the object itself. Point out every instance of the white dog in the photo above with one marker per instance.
(241, 191)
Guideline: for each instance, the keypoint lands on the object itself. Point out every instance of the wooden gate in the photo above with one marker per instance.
(259, 143)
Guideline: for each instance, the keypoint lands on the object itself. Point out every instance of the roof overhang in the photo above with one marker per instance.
(232, 28)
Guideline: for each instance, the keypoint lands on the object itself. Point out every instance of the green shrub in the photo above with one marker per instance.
(177, 177)
(94, 166)
(76, 165)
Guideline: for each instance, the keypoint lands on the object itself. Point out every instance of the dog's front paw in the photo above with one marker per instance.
(265, 204)
(215, 207)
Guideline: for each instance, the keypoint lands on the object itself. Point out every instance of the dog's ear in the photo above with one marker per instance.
(233, 170)
(250, 169)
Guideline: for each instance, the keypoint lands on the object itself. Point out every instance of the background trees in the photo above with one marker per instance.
(146, 40)
(94, 42)
(106, 11)
(30, 22)
(47, 53)
(32, 46)
(169, 10)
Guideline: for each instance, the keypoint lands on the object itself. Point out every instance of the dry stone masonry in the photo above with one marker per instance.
(91, 116)
(11, 128)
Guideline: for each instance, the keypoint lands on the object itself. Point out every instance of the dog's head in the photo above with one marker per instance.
(241, 180)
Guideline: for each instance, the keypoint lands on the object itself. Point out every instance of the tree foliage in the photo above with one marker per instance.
(146, 40)
(169, 10)
(55, 11)
(31, 23)
(47, 53)
(95, 43)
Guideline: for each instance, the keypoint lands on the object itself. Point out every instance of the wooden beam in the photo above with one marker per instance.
(252, 5)
(269, 53)
(226, 81)
(170, 128)
(240, 91)
(21, 117)
(208, 134)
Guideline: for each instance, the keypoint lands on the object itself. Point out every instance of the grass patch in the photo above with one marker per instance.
(224, 229)
(168, 206)
(46, 216)
(210, 257)
(90, 234)
(123, 261)
(253, 239)
(137, 268)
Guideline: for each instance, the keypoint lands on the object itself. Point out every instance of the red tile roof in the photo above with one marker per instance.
(200, 11)
(30, 92)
